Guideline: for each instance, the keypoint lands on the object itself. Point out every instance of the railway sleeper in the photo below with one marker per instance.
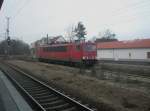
(54, 103)
(32, 87)
(59, 107)
(44, 96)
(39, 94)
(37, 91)
(29, 84)
(26, 80)
(70, 109)
(48, 100)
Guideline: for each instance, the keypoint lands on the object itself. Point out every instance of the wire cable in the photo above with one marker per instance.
(140, 5)
(14, 5)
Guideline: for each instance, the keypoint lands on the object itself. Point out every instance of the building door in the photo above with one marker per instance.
(148, 55)
(129, 55)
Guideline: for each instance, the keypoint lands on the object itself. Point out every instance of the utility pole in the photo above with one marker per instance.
(47, 38)
(7, 36)
(7, 29)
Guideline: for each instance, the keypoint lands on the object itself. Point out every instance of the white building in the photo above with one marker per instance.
(137, 50)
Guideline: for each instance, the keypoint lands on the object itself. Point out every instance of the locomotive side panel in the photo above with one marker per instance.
(55, 52)
(71, 52)
(76, 53)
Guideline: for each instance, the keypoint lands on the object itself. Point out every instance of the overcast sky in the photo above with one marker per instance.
(32, 19)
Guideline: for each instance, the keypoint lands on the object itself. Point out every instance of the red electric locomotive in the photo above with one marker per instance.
(68, 52)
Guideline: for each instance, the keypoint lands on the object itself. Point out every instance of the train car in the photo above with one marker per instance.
(68, 52)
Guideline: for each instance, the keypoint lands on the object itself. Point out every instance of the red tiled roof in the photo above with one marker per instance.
(139, 43)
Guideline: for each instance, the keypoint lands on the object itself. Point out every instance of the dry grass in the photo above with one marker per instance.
(104, 95)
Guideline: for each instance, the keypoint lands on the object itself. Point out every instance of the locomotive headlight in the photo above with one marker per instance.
(83, 57)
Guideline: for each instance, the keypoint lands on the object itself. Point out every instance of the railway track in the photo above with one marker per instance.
(129, 62)
(40, 96)
(142, 78)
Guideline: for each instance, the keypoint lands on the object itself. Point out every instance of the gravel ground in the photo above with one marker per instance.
(102, 94)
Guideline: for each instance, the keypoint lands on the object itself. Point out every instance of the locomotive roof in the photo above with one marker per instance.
(53, 45)
(65, 44)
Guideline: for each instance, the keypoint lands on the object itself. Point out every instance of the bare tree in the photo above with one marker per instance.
(16, 47)
(70, 33)
(106, 36)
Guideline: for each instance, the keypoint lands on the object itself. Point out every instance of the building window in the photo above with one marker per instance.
(148, 55)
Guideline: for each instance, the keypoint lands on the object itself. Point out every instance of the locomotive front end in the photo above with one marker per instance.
(89, 53)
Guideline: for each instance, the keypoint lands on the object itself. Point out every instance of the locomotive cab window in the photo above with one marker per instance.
(89, 47)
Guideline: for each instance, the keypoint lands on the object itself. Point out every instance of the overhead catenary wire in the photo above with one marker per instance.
(132, 6)
(20, 9)
(15, 5)
(122, 12)
(128, 13)
(118, 13)
(130, 16)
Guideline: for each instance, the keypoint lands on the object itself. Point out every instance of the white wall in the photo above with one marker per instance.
(117, 54)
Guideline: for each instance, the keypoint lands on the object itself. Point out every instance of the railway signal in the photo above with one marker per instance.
(8, 41)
